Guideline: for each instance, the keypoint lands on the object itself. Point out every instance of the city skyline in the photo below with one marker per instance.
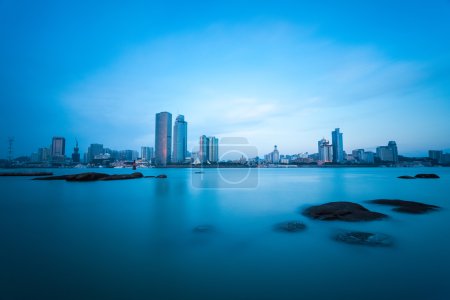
(274, 73)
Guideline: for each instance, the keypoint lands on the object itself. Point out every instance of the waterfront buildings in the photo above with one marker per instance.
(388, 153)
(58, 149)
(338, 146)
(435, 155)
(209, 149)
(76, 153)
(325, 150)
(93, 151)
(147, 153)
(163, 138)
(179, 140)
(273, 157)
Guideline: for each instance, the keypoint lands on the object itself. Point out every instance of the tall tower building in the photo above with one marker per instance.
(213, 148)
(275, 155)
(58, 149)
(76, 153)
(325, 150)
(393, 146)
(179, 140)
(163, 138)
(338, 146)
(203, 151)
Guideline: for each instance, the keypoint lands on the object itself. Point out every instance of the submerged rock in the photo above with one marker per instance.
(290, 226)
(427, 176)
(406, 177)
(27, 174)
(364, 238)
(92, 176)
(343, 211)
(411, 207)
(203, 229)
(161, 176)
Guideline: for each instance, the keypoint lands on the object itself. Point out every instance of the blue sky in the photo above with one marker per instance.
(275, 72)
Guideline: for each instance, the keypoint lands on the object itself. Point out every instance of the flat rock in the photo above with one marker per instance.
(27, 174)
(427, 176)
(161, 176)
(203, 229)
(92, 176)
(411, 207)
(364, 238)
(342, 211)
(290, 226)
(406, 177)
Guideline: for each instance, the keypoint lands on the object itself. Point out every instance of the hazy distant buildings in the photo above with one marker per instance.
(58, 149)
(325, 150)
(358, 155)
(388, 153)
(435, 155)
(163, 138)
(147, 153)
(76, 153)
(179, 140)
(338, 146)
(209, 149)
(273, 157)
(44, 154)
(93, 151)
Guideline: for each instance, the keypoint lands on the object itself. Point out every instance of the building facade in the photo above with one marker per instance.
(325, 150)
(76, 153)
(338, 146)
(93, 151)
(147, 153)
(163, 138)
(209, 149)
(179, 140)
(58, 149)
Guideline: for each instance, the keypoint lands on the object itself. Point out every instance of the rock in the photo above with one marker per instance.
(92, 176)
(290, 226)
(406, 206)
(161, 176)
(27, 174)
(135, 175)
(427, 176)
(203, 229)
(364, 238)
(343, 211)
(406, 177)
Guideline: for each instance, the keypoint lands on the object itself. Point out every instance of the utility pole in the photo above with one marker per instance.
(10, 148)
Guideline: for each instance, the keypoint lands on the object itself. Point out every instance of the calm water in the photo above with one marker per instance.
(135, 240)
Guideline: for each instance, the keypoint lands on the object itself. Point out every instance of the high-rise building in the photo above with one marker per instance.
(179, 140)
(213, 148)
(76, 153)
(275, 155)
(385, 153)
(369, 157)
(147, 153)
(338, 146)
(203, 151)
(44, 154)
(393, 146)
(93, 151)
(58, 149)
(325, 150)
(209, 149)
(435, 155)
(163, 138)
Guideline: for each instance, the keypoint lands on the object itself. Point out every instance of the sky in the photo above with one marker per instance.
(280, 73)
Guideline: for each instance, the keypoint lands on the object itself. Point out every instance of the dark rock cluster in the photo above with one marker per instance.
(92, 176)
(420, 176)
(411, 207)
(343, 211)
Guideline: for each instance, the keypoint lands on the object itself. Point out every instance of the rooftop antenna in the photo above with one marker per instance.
(10, 148)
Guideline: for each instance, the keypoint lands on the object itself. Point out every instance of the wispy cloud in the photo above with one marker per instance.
(273, 83)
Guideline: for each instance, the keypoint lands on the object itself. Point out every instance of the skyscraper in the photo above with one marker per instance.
(325, 150)
(147, 153)
(76, 154)
(338, 146)
(393, 146)
(94, 150)
(209, 149)
(58, 149)
(213, 148)
(163, 138)
(179, 140)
